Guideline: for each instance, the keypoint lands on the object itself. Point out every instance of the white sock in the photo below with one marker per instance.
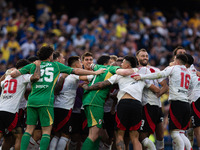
(72, 145)
(62, 143)
(186, 140)
(159, 144)
(53, 143)
(177, 142)
(147, 143)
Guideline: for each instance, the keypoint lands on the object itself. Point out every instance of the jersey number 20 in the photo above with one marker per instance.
(10, 86)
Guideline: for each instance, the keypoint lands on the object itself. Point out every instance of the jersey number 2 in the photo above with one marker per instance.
(185, 79)
(10, 86)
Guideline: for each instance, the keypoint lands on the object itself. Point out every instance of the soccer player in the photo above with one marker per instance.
(12, 92)
(78, 118)
(179, 112)
(129, 108)
(40, 101)
(64, 103)
(152, 111)
(194, 97)
(93, 101)
(177, 50)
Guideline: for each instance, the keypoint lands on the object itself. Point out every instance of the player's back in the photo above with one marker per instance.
(42, 93)
(179, 81)
(194, 88)
(13, 92)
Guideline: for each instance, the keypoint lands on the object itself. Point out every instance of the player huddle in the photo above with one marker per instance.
(98, 106)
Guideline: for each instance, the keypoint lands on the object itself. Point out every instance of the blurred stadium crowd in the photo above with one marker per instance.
(121, 32)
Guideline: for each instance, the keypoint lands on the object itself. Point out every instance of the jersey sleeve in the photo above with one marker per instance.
(112, 69)
(96, 67)
(64, 69)
(90, 77)
(114, 79)
(161, 74)
(26, 78)
(75, 76)
(148, 83)
(26, 69)
(2, 83)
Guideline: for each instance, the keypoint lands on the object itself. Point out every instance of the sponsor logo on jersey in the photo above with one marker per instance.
(42, 86)
(181, 91)
(100, 121)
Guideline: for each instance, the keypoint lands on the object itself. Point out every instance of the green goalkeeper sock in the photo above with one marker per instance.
(96, 144)
(88, 144)
(44, 143)
(25, 141)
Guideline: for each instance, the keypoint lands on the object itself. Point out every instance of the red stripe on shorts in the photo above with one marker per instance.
(136, 127)
(149, 120)
(14, 123)
(84, 124)
(119, 125)
(174, 120)
(195, 110)
(64, 121)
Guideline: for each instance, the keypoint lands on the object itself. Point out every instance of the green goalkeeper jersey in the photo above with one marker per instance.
(98, 97)
(42, 91)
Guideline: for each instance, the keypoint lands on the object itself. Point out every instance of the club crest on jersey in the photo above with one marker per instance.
(100, 121)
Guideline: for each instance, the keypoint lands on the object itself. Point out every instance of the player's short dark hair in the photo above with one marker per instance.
(131, 60)
(183, 58)
(32, 58)
(104, 59)
(56, 54)
(176, 49)
(86, 54)
(141, 50)
(72, 59)
(190, 59)
(45, 52)
(21, 63)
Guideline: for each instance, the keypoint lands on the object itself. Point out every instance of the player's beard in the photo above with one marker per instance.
(143, 62)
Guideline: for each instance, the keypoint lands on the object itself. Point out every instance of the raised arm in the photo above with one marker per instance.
(97, 86)
(36, 76)
(126, 72)
(79, 71)
(161, 74)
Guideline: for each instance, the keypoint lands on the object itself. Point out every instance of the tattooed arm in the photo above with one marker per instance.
(36, 75)
(15, 73)
(97, 86)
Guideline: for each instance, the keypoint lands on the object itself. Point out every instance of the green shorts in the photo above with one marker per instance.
(45, 114)
(94, 115)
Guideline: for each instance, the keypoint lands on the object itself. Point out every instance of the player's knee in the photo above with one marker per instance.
(197, 132)
(178, 143)
(186, 141)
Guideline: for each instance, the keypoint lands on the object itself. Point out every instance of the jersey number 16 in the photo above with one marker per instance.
(185, 79)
